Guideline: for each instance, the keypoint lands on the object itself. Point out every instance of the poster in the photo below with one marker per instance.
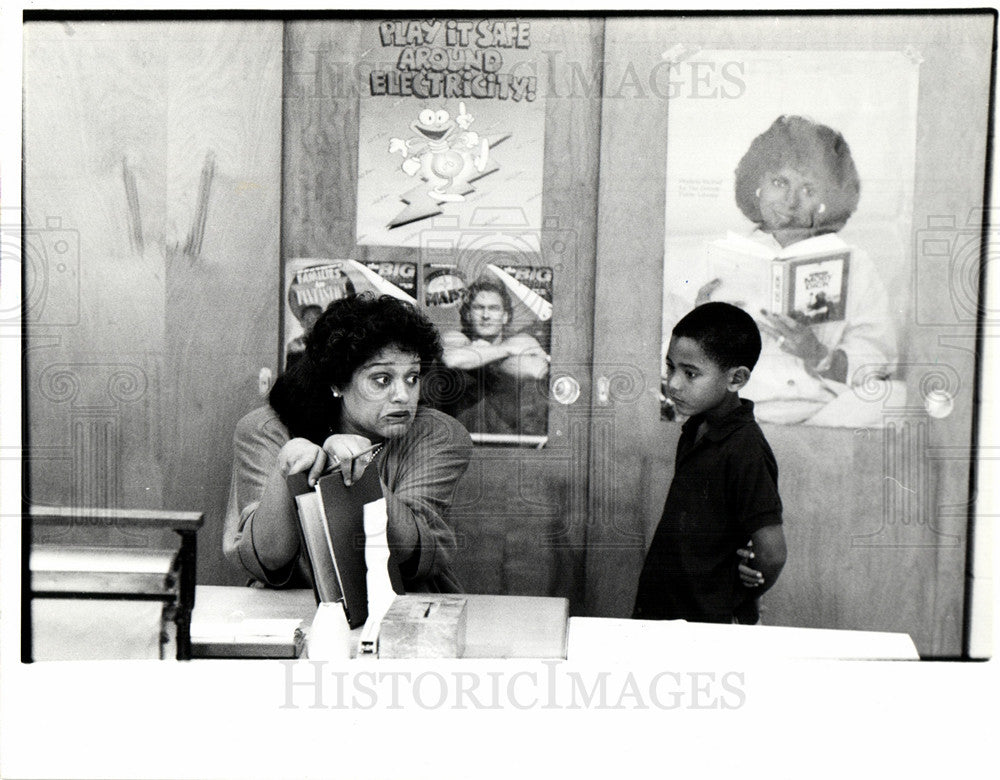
(784, 110)
(452, 120)
(495, 322)
(311, 284)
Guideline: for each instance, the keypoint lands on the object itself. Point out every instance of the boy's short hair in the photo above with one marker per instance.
(729, 335)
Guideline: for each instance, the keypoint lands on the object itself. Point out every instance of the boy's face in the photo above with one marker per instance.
(695, 382)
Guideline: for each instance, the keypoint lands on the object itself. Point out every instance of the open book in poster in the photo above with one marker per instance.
(806, 281)
(331, 516)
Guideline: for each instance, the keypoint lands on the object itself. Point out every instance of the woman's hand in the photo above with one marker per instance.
(340, 450)
(298, 455)
(795, 338)
(344, 450)
(707, 290)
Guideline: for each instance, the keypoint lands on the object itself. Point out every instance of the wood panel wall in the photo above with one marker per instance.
(152, 156)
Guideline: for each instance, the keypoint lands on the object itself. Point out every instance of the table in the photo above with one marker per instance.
(496, 627)
(539, 627)
(605, 640)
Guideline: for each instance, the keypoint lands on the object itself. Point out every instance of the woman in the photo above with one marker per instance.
(357, 386)
(798, 182)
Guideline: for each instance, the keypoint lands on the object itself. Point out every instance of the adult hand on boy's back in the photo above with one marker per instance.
(767, 550)
(749, 577)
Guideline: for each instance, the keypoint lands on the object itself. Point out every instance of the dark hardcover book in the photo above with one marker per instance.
(331, 516)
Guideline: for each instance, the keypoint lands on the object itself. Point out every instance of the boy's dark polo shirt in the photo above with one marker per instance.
(725, 487)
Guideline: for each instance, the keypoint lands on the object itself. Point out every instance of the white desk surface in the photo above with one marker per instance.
(510, 627)
(594, 640)
(497, 626)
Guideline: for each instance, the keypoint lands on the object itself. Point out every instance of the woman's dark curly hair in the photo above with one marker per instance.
(350, 332)
(808, 146)
(478, 286)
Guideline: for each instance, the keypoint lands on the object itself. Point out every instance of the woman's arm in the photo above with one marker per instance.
(260, 534)
(869, 339)
(422, 471)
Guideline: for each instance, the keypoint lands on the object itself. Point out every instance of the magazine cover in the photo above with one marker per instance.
(496, 331)
(311, 284)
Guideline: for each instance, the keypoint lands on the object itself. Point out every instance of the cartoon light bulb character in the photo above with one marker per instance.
(445, 152)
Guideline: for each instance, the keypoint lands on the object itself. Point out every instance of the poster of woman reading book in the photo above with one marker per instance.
(818, 293)
(798, 184)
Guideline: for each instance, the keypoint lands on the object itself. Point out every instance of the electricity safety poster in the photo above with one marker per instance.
(452, 121)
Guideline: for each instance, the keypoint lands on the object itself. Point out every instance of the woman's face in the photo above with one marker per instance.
(790, 199)
(381, 399)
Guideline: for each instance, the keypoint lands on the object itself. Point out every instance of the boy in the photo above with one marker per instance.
(724, 493)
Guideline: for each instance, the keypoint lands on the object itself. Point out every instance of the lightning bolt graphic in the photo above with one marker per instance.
(419, 203)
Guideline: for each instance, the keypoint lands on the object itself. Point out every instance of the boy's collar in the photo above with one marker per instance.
(740, 415)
